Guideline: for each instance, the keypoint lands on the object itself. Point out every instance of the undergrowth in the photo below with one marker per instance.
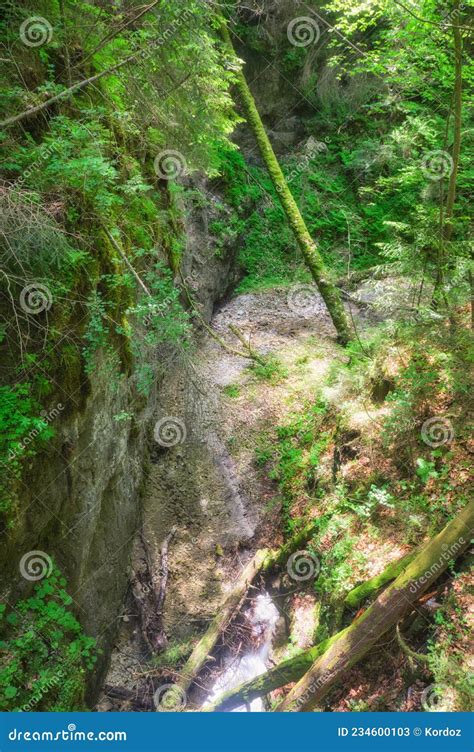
(45, 653)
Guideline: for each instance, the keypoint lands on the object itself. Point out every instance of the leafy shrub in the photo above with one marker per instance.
(24, 431)
(45, 652)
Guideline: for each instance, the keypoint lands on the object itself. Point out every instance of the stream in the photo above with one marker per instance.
(208, 486)
(262, 618)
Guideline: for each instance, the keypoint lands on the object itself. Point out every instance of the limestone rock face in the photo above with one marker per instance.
(81, 497)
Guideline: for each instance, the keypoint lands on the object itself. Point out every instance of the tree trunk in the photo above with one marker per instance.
(207, 643)
(355, 642)
(285, 673)
(361, 592)
(446, 215)
(278, 558)
(457, 123)
(306, 243)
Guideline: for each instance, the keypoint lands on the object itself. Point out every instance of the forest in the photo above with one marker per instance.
(236, 338)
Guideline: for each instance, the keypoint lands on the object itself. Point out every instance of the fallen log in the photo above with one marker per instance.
(264, 562)
(355, 597)
(207, 643)
(284, 673)
(294, 668)
(279, 557)
(137, 700)
(389, 608)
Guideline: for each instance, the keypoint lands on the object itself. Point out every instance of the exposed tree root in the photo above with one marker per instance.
(149, 592)
(411, 655)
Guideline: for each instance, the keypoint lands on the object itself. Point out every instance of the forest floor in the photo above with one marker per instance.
(218, 488)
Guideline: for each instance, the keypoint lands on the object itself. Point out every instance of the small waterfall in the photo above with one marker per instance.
(263, 617)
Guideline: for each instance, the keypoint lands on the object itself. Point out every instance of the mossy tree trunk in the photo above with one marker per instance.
(389, 608)
(284, 673)
(306, 243)
(203, 650)
(447, 213)
(320, 667)
(456, 152)
(355, 597)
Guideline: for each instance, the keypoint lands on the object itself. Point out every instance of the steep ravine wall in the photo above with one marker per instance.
(80, 497)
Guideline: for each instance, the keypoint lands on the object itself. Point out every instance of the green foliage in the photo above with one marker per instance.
(390, 156)
(263, 453)
(425, 470)
(23, 433)
(337, 566)
(448, 649)
(365, 505)
(45, 652)
(296, 456)
(436, 367)
(156, 320)
(96, 335)
(174, 655)
(270, 369)
(232, 390)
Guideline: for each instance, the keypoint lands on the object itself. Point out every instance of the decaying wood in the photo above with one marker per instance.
(389, 608)
(136, 700)
(366, 629)
(207, 643)
(149, 592)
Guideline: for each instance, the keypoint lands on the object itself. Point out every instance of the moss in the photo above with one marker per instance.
(306, 243)
(360, 593)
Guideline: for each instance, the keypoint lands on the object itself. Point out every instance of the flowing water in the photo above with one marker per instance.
(262, 618)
